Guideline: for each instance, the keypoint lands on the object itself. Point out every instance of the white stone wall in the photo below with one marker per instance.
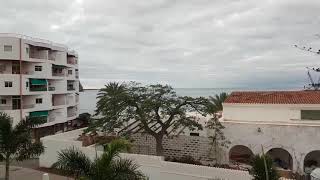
(176, 146)
(266, 112)
(153, 166)
(298, 140)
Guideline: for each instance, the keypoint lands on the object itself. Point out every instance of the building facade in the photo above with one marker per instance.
(283, 124)
(38, 78)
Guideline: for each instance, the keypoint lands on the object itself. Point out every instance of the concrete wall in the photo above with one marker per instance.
(298, 140)
(153, 166)
(266, 112)
(12, 55)
(176, 146)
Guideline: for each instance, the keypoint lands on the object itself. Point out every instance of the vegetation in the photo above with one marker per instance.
(261, 165)
(16, 141)
(216, 102)
(148, 105)
(84, 118)
(184, 159)
(217, 140)
(108, 166)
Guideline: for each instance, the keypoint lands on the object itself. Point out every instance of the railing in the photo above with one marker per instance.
(51, 88)
(71, 88)
(58, 104)
(6, 108)
(38, 89)
(28, 106)
(58, 74)
(52, 118)
(71, 114)
(31, 38)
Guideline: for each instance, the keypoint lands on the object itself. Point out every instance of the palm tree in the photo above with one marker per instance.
(109, 165)
(16, 141)
(259, 168)
(216, 102)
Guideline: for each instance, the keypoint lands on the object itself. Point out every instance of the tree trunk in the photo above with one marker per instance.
(7, 168)
(159, 147)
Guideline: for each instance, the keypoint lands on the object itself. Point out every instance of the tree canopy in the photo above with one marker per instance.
(217, 100)
(157, 109)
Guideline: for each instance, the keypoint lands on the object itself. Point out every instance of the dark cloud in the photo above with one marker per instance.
(194, 43)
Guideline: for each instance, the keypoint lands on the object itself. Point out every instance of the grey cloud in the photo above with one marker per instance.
(194, 43)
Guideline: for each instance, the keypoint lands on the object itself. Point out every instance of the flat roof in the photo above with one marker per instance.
(274, 97)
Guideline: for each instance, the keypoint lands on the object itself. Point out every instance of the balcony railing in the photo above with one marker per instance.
(58, 103)
(58, 74)
(52, 118)
(2, 107)
(28, 106)
(71, 114)
(38, 89)
(51, 88)
(71, 88)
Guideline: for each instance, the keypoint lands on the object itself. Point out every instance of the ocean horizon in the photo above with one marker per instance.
(88, 98)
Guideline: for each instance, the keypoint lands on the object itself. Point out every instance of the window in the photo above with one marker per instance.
(27, 84)
(194, 134)
(38, 68)
(38, 100)
(7, 84)
(3, 101)
(310, 114)
(7, 48)
(27, 50)
(15, 68)
(69, 72)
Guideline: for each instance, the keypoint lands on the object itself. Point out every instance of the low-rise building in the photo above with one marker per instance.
(282, 124)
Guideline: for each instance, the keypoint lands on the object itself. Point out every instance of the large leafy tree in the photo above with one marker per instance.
(217, 100)
(156, 109)
(261, 166)
(16, 141)
(108, 166)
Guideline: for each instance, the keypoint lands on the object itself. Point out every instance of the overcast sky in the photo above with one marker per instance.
(184, 43)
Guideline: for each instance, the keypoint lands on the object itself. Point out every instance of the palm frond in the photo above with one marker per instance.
(72, 161)
(125, 169)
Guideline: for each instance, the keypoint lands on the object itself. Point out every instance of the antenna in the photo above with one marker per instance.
(313, 85)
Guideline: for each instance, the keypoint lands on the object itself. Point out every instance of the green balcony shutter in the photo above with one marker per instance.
(38, 81)
(39, 113)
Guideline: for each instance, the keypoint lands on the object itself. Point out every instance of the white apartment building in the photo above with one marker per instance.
(282, 124)
(38, 78)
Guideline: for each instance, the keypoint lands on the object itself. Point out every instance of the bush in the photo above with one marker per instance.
(258, 170)
(184, 159)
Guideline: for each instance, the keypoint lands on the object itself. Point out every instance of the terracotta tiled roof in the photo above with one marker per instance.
(274, 97)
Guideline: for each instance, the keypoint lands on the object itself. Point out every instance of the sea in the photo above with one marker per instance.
(88, 98)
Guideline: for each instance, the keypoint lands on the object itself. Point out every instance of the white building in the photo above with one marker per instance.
(285, 124)
(38, 78)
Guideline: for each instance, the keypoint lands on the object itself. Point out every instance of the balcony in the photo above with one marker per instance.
(71, 114)
(72, 60)
(51, 88)
(5, 107)
(71, 88)
(58, 70)
(28, 106)
(38, 85)
(36, 89)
